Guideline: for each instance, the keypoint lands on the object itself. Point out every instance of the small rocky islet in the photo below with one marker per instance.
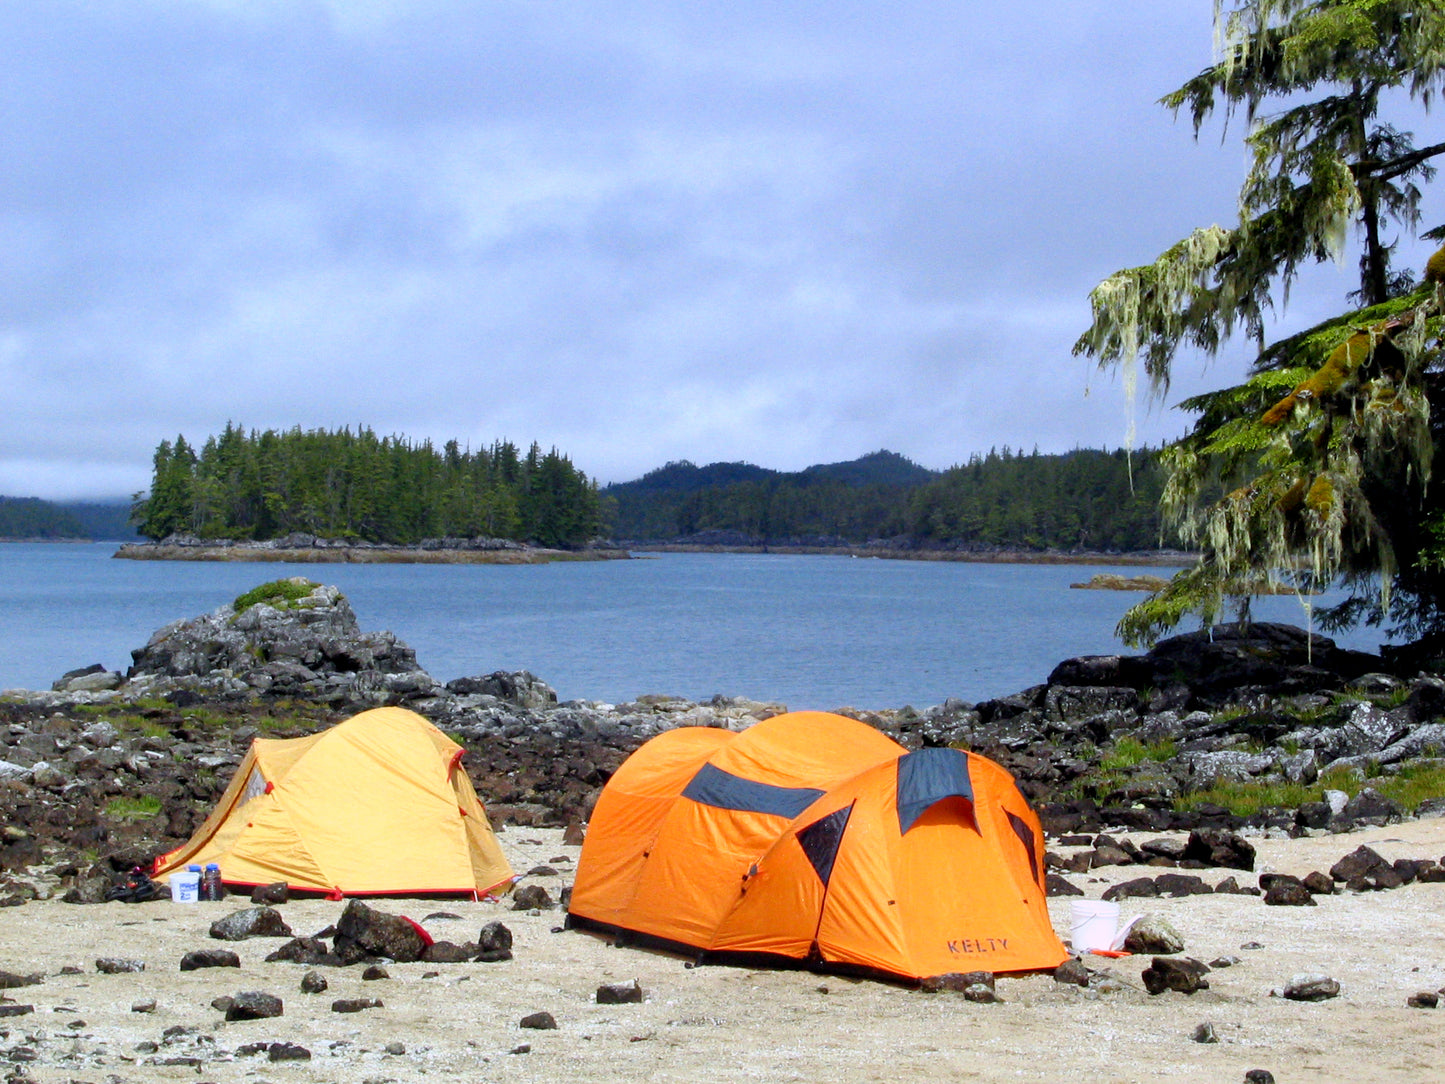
(105, 770)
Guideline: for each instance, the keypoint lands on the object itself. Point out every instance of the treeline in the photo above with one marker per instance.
(356, 485)
(1085, 499)
(30, 517)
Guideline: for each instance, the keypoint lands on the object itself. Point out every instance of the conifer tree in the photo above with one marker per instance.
(1324, 454)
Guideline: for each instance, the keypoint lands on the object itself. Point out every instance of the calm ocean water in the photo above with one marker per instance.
(808, 631)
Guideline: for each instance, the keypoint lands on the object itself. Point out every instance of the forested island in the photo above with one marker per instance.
(355, 485)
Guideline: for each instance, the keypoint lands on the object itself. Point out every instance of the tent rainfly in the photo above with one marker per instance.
(812, 839)
(376, 805)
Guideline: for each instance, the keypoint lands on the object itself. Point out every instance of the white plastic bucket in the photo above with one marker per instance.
(1095, 924)
(185, 887)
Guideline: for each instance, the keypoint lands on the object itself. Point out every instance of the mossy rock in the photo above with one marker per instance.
(281, 594)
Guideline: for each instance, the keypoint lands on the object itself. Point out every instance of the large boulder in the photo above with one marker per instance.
(304, 645)
(376, 933)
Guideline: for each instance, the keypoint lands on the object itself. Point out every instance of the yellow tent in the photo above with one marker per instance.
(379, 804)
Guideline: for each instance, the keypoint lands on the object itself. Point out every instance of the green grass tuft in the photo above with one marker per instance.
(139, 808)
(281, 594)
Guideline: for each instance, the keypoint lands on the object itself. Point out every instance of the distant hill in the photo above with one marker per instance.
(30, 517)
(33, 518)
(874, 469)
(1085, 499)
(104, 521)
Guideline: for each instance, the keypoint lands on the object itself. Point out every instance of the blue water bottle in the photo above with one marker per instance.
(211, 883)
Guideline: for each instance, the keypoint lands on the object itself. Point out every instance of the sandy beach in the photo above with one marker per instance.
(461, 1021)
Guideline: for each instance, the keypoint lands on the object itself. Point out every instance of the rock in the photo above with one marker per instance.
(1152, 935)
(302, 950)
(1426, 999)
(1204, 1033)
(446, 952)
(1321, 884)
(10, 980)
(620, 993)
(16, 1010)
(1139, 887)
(395, 1049)
(355, 1004)
(146, 1006)
(957, 981)
(287, 1052)
(378, 934)
(494, 943)
(1165, 847)
(1311, 988)
(194, 961)
(1259, 1076)
(1072, 973)
(531, 898)
(981, 994)
(279, 892)
(1359, 863)
(254, 1005)
(1177, 885)
(1109, 856)
(1282, 890)
(1369, 806)
(252, 922)
(1313, 815)
(114, 965)
(1058, 886)
(310, 647)
(521, 688)
(1408, 869)
(538, 1021)
(1223, 961)
(1169, 973)
(375, 973)
(313, 982)
(573, 834)
(1221, 848)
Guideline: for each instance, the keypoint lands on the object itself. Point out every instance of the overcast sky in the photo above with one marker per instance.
(787, 233)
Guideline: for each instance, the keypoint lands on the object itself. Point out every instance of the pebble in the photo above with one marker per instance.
(355, 1004)
(313, 982)
(1204, 1033)
(1310, 988)
(149, 1005)
(538, 1021)
(114, 965)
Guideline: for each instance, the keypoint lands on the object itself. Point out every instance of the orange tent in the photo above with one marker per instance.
(814, 838)
(379, 804)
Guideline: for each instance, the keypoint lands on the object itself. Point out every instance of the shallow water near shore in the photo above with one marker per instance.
(807, 631)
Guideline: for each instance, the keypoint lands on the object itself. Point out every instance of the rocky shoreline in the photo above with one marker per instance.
(1319, 735)
(313, 549)
(890, 550)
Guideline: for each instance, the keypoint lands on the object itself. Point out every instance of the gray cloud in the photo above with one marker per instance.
(639, 232)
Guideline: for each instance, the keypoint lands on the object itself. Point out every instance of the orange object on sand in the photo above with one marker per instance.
(813, 837)
(379, 804)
